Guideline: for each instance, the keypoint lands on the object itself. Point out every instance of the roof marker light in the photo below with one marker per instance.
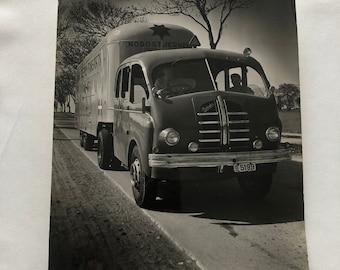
(247, 52)
(194, 42)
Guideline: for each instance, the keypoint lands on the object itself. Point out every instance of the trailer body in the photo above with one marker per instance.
(96, 74)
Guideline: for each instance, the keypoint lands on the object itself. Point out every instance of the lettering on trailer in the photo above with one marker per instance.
(91, 66)
(161, 31)
(157, 44)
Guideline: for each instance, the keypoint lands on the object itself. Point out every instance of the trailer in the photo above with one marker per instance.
(95, 78)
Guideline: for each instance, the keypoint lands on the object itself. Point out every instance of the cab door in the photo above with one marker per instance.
(121, 107)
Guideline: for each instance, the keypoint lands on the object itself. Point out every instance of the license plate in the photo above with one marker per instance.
(244, 167)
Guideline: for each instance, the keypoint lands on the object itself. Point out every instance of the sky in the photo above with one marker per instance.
(268, 28)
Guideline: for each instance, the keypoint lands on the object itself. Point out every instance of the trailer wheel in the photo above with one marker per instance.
(88, 141)
(106, 159)
(256, 186)
(81, 139)
(144, 188)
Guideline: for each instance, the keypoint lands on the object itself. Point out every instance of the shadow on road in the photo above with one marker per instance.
(224, 201)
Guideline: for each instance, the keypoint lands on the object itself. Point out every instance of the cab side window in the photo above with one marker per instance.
(139, 88)
(125, 82)
(118, 84)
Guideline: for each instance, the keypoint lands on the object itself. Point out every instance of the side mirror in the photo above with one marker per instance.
(143, 105)
(272, 90)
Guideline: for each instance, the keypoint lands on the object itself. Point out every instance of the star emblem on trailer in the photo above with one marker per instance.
(160, 30)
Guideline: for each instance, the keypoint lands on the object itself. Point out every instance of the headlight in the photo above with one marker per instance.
(193, 147)
(273, 134)
(170, 136)
(257, 144)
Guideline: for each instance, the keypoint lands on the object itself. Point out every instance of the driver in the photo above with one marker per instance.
(164, 81)
(169, 85)
(237, 87)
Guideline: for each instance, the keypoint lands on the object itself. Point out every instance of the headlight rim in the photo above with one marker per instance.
(164, 136)
(269, 133)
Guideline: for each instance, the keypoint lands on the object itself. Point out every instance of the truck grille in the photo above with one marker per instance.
(238, 130)
(224, 125)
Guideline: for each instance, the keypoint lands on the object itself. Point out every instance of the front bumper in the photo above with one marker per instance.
(206, 160)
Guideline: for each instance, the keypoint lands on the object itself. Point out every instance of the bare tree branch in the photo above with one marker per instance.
(200, 11)
(97, 18)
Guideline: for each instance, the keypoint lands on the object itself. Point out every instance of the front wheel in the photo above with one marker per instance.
(144, 188)
(256, 186)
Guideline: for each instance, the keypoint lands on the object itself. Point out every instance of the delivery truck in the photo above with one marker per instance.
(152, 102)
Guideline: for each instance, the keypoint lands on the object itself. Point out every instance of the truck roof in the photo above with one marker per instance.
(167, 35)
(140, 31)
(154, 58)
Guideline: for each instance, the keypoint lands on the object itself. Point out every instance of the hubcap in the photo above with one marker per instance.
(100, 149)
(135, 171)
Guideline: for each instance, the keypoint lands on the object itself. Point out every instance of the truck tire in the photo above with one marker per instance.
(88, 141)
(106, 159)
(81, 139)
(144, 188)
(256, 186)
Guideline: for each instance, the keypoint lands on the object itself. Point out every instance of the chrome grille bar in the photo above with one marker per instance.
(207, 114)
(209, 131)
(239, 130)
(224, 120)
(240, 140)
(239, 122)
(209, 140)
(237, 113)
(209, 122)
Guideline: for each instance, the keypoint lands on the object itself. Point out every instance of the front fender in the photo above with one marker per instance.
(141, 133)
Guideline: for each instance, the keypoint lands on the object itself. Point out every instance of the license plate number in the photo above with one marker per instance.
(244, 167)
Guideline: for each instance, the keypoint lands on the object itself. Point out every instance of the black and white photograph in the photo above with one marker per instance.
(189, 110)
(174, 133)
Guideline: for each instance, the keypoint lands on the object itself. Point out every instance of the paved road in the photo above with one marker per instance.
(217, 227)
(94, 226)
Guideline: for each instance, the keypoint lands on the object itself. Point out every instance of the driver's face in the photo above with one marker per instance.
(236, 80)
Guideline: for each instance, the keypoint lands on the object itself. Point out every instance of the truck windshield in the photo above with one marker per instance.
(198, 75)
(238, 78)
(182, 77)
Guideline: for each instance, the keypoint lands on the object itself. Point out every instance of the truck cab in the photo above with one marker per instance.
(214, 117)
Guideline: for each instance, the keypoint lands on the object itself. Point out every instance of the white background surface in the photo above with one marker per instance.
(27, 53)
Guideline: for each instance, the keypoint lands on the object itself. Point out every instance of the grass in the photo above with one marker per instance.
(291, 121)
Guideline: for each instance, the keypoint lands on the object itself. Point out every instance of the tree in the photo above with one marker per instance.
(288, 95)
(64, 89)
(201, 11)
(96, 19)
(80, 28)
